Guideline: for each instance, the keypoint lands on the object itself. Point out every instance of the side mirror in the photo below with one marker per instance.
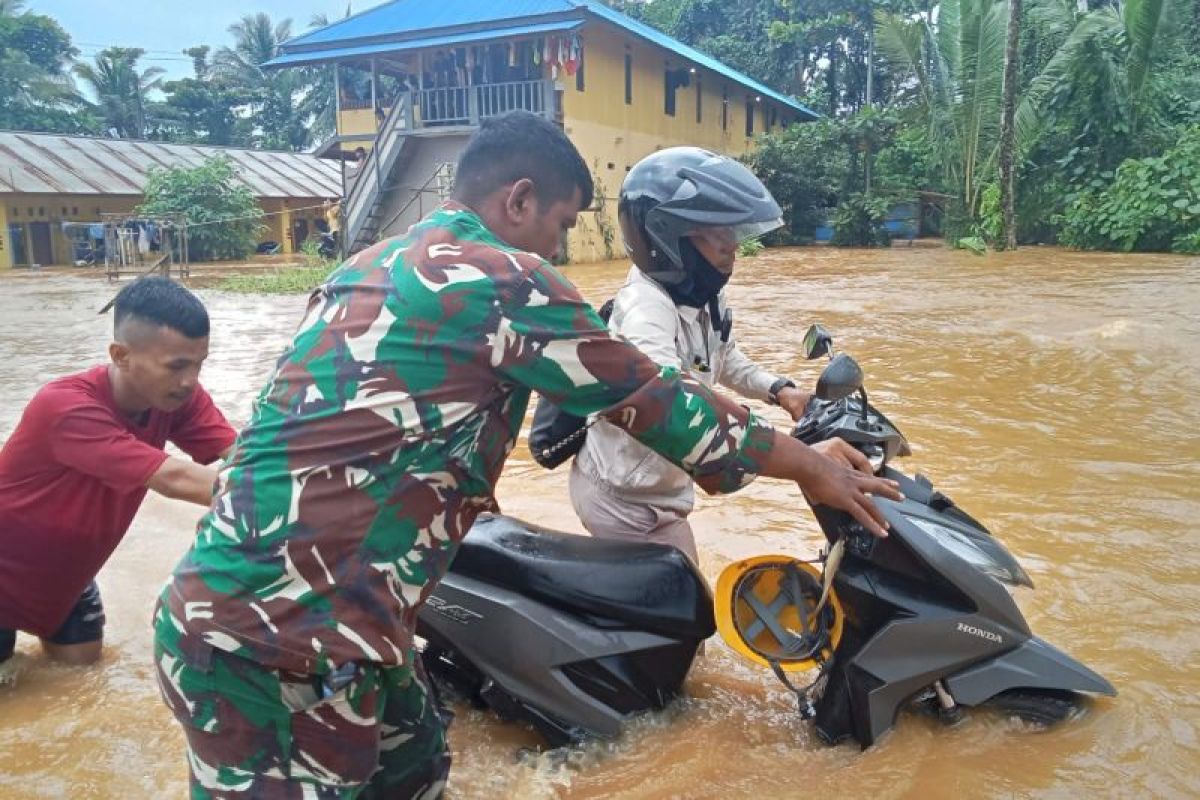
(817, 342)
(842, 378)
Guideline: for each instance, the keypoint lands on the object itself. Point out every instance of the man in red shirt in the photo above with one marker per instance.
(88, 446)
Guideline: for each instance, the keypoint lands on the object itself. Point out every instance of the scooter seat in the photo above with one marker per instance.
(652, 587)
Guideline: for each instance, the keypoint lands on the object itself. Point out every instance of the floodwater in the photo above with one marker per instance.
(1054, 395)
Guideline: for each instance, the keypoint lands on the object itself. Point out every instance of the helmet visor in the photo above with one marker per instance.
(736, 234)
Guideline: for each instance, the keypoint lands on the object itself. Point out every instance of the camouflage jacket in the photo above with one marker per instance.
(382, 432)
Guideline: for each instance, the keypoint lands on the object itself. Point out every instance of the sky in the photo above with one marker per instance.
(165, 27)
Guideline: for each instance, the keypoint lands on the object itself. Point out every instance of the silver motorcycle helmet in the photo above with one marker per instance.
(677, 192)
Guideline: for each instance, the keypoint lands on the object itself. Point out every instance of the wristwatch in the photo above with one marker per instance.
(777, 387)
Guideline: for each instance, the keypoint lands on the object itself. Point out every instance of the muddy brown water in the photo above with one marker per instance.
(1052, 394)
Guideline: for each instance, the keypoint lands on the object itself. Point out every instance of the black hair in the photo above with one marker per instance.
(517, 145)
(161, 301)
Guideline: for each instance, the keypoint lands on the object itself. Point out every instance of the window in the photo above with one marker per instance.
(670, 83)
(628, 79)
(699, 101)
(749, 116)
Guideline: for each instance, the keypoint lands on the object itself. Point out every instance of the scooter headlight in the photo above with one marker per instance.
(986, 556)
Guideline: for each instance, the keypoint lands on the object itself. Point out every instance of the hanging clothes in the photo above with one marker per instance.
(537, 52)
(552, 56)
(574, 56)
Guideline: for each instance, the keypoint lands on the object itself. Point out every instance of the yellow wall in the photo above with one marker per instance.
(284, 214)
(613, 135)
(5, 245)
(55, 209)
(356, 121)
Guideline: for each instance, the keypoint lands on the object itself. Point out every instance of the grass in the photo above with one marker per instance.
(294, 280)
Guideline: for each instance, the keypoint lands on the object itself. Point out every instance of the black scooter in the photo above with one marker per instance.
(573, 635)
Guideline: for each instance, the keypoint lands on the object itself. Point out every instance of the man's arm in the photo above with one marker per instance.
(181, 479)
(748, 379)
(550, 340)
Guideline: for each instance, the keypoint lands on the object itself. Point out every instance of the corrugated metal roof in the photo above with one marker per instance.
(383, 28)
(43, 163)
(419, 43)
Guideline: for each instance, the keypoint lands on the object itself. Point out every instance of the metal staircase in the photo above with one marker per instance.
(363, 201)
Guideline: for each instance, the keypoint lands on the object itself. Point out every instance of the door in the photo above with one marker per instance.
(39, 237)
(16, 239)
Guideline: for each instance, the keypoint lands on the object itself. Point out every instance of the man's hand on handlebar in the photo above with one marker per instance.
(842, 452)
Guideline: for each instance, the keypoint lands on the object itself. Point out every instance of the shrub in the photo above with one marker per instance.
(858, 222)
(223, 214)
(1152, 204)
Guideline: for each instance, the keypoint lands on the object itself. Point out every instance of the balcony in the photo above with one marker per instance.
(431, 109)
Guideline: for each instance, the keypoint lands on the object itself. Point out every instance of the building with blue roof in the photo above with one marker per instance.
(414, 78)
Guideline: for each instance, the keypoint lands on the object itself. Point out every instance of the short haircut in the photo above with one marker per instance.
(517, 145)
(161, 301)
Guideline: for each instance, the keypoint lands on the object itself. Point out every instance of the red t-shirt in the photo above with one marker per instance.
(72, 477)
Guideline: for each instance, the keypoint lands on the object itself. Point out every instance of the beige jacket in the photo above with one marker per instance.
(676, 336)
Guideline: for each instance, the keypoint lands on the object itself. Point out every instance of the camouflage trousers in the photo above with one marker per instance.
(257, 733)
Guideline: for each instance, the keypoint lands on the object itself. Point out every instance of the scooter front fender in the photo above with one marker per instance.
(1034, 664)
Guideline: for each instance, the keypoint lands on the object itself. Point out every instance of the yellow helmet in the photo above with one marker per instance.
(765, 611)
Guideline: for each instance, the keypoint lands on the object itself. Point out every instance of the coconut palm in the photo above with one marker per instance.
(955, 66)
(320, 101)
(255, 41)
(121, 89)
(280, 120)
(1113, 47)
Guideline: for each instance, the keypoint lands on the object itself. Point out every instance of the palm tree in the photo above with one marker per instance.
(320, 99)
(121, 90)
(280, 121)
(256, 41)
(1008, 134)
(11, 8)
(1113, 45)
(956, 67)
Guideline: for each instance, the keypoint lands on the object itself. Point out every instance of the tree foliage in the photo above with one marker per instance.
(122, 89)
(1152, 203)
(223, 215)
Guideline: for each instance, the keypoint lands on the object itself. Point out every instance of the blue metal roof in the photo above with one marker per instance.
(415, 24)
(415, 16)
(358, 51)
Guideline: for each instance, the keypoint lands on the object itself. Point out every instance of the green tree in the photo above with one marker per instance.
(203, 108)
(121, 89)
(35, 80)
(807, 168)
(956, 67)
(223, 215)
(278, 96)
(1152, 203)
(1008, 134)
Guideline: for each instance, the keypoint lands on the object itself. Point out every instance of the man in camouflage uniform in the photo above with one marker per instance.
(284, 641)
